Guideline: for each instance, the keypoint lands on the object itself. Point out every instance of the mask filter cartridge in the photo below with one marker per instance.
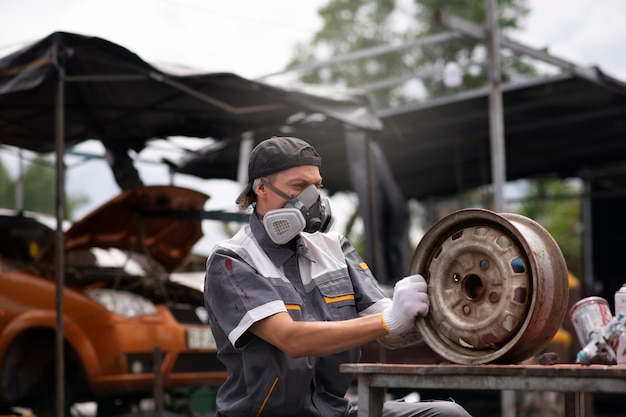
(282, 225)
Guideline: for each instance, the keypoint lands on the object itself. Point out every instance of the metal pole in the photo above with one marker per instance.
(496, 119)
(507, 403)
(59, 250)
(245, 149)
(361, 169)
(477, 32)
(19, 189)
(374, 233)
(367, 53)
(587, 210)
(157, 359)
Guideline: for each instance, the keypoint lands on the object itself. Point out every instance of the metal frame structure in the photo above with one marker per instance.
(255, 98)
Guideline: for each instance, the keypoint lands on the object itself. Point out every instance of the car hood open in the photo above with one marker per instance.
(162, 222)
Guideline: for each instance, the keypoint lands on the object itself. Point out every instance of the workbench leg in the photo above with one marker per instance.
(508, 404)
(370, 398)
(575, 404)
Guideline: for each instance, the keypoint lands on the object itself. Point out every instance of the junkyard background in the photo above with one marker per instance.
(88, 174)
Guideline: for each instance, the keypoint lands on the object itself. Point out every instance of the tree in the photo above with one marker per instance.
(39, 188)
(557, 206)
(356, 25)
(7, 188)
(353, 25)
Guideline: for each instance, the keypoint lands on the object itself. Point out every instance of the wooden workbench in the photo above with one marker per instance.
(572, 379)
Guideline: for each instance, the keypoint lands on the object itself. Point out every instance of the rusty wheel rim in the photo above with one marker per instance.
(497, 284)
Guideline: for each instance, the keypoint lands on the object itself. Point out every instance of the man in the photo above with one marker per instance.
(289, 300)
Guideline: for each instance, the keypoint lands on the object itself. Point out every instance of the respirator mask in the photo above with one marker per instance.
(306, 212)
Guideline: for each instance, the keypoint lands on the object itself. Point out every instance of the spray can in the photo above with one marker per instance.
(620, 307)
(589, 315)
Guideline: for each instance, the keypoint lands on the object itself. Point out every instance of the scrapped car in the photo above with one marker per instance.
(121, 311)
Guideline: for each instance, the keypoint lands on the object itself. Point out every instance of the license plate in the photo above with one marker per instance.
(198, 338)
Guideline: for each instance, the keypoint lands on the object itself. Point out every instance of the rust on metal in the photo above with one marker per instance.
(498, 287)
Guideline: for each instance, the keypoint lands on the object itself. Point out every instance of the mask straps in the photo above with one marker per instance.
(293, 200)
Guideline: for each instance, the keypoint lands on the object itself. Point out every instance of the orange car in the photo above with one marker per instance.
(119, 305)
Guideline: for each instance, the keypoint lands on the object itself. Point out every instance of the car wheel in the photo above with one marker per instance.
(497, 284)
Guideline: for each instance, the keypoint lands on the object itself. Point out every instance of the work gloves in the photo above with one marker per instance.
(409, 299)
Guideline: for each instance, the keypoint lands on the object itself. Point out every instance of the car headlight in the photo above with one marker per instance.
(124, 303)
(203, 314)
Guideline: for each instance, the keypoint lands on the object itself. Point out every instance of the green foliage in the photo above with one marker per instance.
(466, 51)
(356, 238)
(39, 187)
(7, 188)
(354, 25)
(557, 206)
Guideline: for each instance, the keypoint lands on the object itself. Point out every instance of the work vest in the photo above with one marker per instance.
(325, 248)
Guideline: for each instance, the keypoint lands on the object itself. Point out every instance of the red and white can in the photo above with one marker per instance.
(588, 315)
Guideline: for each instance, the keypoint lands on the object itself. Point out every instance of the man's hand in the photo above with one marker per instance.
(409, 299)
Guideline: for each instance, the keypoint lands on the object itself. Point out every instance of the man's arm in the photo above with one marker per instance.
(322, 338)
(318, 338)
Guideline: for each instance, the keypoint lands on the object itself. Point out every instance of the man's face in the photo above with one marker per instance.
(291, 181)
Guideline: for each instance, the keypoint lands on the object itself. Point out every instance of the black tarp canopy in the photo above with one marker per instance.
(77, 88)
(114, 96)
(564, 125)
(570, 125)
(561, 126)
(69, 88)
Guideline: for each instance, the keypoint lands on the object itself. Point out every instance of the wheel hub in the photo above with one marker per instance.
(497, 285)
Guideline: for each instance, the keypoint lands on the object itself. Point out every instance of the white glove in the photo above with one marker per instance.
(409, 299)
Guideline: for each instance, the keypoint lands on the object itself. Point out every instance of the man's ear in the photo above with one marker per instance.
(258, 187)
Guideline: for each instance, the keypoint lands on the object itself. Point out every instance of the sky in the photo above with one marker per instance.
(252, 38)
